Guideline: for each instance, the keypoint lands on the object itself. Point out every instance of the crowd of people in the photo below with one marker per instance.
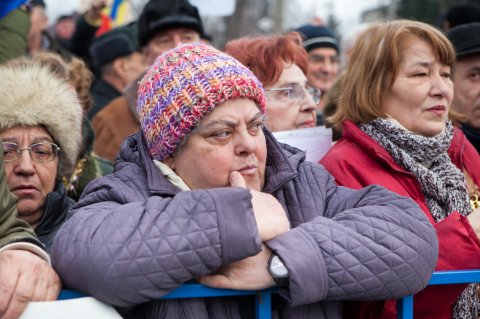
(137, 159)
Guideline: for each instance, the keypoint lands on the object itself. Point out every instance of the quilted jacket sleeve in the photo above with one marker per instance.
(126, 247)
(370, 244)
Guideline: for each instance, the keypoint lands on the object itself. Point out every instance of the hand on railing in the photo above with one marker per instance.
(247, 274)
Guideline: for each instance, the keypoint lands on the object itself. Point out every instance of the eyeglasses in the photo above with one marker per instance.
(296, 92)
(39, 152)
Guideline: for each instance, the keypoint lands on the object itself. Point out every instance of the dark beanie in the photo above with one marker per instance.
(466, 39)
(462, 13)
(116, 43)
(39, 3)
(317, 36)
(159, 15)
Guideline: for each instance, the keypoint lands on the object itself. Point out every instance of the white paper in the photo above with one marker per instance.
(78, 308)
(315, 141)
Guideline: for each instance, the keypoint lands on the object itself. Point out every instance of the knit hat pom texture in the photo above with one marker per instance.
(182, 86)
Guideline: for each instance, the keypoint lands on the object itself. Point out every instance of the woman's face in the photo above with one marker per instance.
(29, 180)
(284, 113)
(421, 95)
(228, 139)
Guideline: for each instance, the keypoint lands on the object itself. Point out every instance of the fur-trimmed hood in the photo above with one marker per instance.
(31, 96)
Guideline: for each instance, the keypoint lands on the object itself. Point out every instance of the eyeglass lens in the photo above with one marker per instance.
(40, 152)
(298, 93)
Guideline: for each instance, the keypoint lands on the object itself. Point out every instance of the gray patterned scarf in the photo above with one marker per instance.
(442, 183)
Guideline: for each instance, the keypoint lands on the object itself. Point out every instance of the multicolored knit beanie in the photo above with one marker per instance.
(185, 84)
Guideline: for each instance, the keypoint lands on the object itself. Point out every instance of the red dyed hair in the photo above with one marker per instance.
(266, 56)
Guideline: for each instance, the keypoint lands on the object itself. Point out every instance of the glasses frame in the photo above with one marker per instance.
(54, 146)
(309, 89)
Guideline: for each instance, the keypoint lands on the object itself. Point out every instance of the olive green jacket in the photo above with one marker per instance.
(12, 229)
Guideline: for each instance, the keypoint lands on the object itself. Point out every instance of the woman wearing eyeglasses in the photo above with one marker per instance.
(280, 63)
(40, 130)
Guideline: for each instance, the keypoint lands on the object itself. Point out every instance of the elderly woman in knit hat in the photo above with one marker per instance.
(204, 192)
(40, 130)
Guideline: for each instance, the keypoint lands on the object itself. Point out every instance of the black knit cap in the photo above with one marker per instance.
(118, 42)
(317, 36)
(159, 15)
(462, 13)
(34, 3)
(466, 39)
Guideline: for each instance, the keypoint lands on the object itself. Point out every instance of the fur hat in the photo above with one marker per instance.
(185, 84)
(32, 96)
(466, 39)
(160, 15)
(317, 36)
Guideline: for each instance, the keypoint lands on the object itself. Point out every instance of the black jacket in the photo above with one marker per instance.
(56, 208)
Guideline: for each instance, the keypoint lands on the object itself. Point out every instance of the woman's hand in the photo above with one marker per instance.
(24, 277)
(269, 214)
(250, 273)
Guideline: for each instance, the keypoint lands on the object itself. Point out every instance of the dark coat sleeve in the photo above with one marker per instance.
(82, 38)
(13, 35)
(126, 246)
(369, 244)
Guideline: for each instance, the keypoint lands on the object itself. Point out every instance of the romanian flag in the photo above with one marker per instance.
(116, 13)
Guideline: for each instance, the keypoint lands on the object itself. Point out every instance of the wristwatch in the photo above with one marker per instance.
(278, 271)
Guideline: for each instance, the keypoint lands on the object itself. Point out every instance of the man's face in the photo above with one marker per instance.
(466, 79)
(133, 66)
(168, 39)
(64, 28)
(323, 68)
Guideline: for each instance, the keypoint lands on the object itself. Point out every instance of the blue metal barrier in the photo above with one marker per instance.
(263, 298)
(405, 305)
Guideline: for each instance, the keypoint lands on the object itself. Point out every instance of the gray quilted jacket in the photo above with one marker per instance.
(133, 237)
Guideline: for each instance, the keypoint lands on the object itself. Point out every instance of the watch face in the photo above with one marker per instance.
(277, 268)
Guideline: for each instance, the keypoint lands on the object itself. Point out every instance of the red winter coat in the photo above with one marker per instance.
(356, 161)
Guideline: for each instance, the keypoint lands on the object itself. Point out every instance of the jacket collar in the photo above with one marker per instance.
(56, 207)
(281, 166)
(350, 131)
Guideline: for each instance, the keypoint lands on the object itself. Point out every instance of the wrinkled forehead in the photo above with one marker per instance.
(25, 134)
(233, 112)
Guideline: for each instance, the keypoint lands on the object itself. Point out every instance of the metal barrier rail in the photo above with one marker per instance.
(263, 298)
(405, 305)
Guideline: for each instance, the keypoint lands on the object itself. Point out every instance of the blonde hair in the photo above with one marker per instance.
(375, 63)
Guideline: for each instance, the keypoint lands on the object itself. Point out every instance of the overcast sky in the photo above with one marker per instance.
(347, 11)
